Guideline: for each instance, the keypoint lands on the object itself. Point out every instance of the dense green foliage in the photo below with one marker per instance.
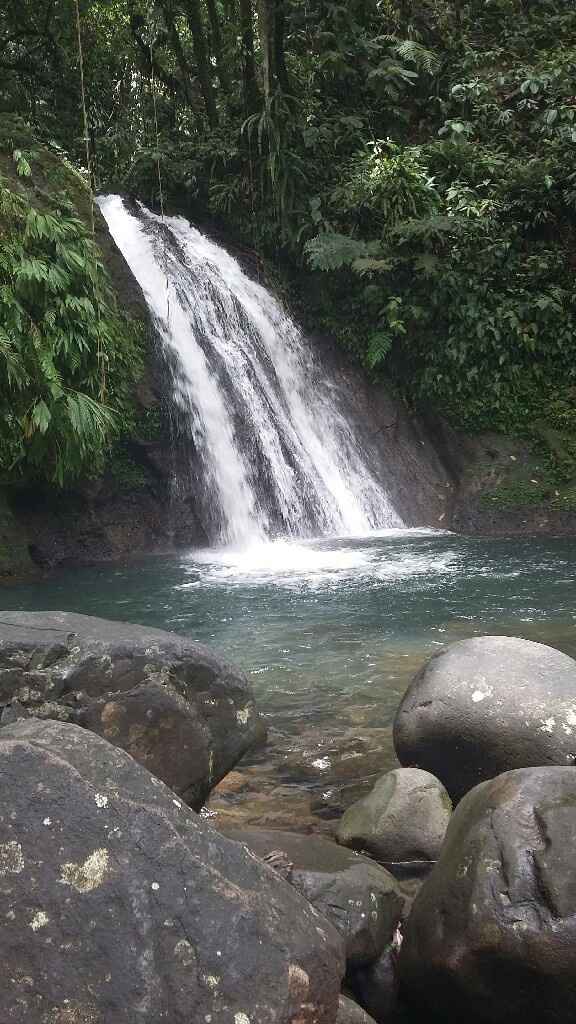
(68, 360)
(418, 158)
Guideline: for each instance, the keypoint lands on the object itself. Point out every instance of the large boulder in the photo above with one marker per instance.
(485, 706)
(359, 897)
(403, 820)
(120, 904)
(492, 934)
(175, 706)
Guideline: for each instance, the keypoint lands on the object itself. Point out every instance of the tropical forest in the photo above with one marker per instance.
(287, 511)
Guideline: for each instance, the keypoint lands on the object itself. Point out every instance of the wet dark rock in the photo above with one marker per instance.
(360, 898)
(403, 819)
(376, 986)
(485, 706)
(175, 706)
(492, 934)
(350, 1013)
(120, 904)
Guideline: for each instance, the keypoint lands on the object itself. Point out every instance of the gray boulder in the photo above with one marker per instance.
(350, 1013)
(120, 904)
(175, 706)
(360, 898)
(485, 706)
(403, 820)
(492, 934)
(376, 986)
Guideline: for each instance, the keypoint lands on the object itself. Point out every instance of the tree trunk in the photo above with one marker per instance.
(217, 46)
(279, 53)
(178, 50)
(147, 55)
(194, 16)
(248, 60)
(267, 33)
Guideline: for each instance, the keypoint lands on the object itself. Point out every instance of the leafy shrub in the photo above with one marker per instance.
(68, 359)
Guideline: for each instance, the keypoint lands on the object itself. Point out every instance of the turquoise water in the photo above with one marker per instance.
(331, 632)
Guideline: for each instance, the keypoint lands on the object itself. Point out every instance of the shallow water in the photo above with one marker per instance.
(330, 633)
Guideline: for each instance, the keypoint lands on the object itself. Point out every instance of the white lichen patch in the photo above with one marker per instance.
(480, 695)
(322, 763)
(241, 1018)
(11, 859)
(40, 920)
(212, 980)
(87, 876)
(548, 725)
(243, 715)
(155, 886)
(47, 821)
(100, 800)
(185, 953)
(571, 717)
(298, 981)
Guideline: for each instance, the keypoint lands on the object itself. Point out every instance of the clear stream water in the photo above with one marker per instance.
(330, 633)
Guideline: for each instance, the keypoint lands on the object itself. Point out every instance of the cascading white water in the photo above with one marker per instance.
(278, 455)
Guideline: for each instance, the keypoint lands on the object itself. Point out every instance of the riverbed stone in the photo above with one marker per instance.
(487, 705)
(177, 707)
(403, 820)
(360, 898)
(119, 903)
(492, 933)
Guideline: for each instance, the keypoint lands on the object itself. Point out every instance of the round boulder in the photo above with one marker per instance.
(120, 904)
(492, 933)
(360, 898)
(175, 706)
(485, 706)
(402, 820)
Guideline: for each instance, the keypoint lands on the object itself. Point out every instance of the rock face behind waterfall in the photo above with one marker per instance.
(176, 707)
(119, 904)
(487, 705)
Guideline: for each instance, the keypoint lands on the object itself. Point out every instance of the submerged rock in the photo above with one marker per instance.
(360, 898)
(492, 934)
(402, 820)
(485, 706)
(120, 904)
(175, 706)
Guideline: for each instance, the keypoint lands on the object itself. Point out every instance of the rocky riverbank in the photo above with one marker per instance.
(112, 734)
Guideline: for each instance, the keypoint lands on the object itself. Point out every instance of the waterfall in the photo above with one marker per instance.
(278, 456)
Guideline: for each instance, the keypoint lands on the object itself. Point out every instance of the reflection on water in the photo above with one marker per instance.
(331, 633)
